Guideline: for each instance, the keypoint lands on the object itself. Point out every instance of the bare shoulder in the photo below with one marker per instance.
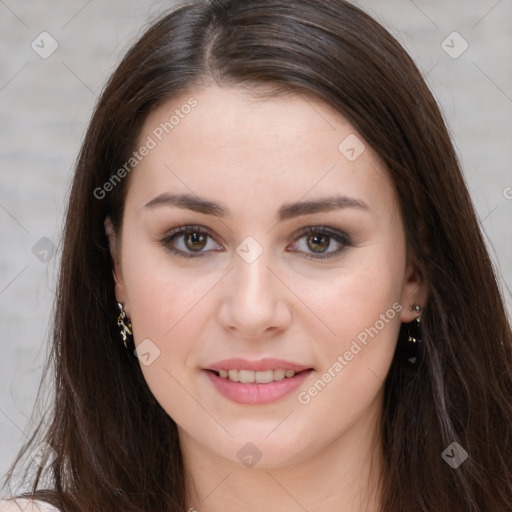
(25, 505)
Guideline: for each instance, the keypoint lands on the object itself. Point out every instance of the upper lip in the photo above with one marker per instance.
(260, 365)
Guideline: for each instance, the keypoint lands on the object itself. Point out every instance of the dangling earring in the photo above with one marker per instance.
(411, 345)
(415, 337)
(126, 329)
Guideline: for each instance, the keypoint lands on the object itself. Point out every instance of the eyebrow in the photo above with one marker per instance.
(286, 211)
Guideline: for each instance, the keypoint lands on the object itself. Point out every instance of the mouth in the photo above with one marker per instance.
(252, 387)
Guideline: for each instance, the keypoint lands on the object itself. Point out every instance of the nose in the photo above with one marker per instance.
(256, 301)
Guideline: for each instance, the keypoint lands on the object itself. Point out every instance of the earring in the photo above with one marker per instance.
(126, 329)
(415, 337)
(410, 347)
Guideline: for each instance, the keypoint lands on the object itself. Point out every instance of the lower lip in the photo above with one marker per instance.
(252, 393)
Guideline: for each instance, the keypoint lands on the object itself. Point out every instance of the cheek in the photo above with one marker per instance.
(163, 308)
(165, 305)
(355, 296)
(361, 306)
(160, 295)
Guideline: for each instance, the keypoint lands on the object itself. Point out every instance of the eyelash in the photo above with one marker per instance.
(338, 236)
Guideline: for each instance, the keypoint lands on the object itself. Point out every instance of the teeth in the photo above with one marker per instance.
(280, 374)
(233, 375)
(250, 376)
(245, 375)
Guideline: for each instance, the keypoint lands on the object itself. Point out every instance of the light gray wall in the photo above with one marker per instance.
(45, 104)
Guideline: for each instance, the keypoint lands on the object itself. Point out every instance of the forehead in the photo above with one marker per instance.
(224, 142)
(231, 118)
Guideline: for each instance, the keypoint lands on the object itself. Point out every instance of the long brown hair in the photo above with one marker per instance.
(116, 447)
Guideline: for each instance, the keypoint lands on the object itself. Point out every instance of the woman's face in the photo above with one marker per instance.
(247, 281)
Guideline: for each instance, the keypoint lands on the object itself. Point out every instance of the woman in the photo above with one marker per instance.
(274, 292)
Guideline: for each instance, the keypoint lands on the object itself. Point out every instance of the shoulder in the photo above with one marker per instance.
(25, 505)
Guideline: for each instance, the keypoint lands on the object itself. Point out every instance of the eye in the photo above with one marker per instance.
(193, 238)
(319, 238)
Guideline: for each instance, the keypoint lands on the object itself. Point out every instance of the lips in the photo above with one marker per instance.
(257, 366)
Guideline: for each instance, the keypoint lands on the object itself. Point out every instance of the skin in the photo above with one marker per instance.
(253, 155)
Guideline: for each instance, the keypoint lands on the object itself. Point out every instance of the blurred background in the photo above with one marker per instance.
(55, 59)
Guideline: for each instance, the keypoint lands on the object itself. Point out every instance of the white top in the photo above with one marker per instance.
(25, 505)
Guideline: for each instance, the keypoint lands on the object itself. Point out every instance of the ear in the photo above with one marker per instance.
(120, 290)
(414, 292)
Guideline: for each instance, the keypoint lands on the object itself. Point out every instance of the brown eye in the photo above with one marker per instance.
(195, 241)
(318, 239)
(318, 243)
(188, 241)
